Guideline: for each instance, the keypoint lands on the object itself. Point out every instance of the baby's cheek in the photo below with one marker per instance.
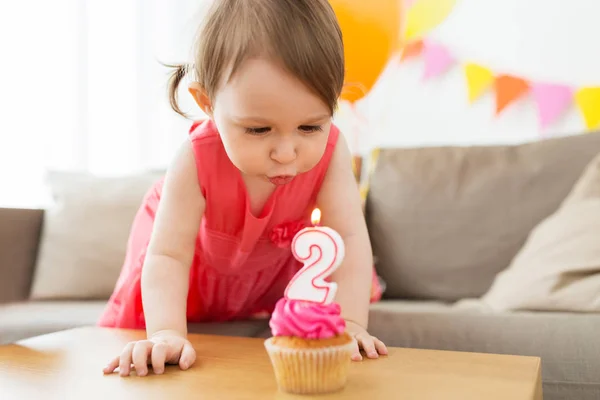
(247, 157)
(312, 155)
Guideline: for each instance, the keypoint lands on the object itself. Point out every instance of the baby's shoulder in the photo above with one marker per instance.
(334, 134)
(204, 131)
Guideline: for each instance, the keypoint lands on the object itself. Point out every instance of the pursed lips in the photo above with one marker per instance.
(281, 179)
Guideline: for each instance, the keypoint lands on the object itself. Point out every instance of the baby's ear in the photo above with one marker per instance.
(201, 97)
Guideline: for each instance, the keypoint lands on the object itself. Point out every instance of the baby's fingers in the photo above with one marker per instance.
(140, 354)
(380, 346)
(368, 345)
(356, 356)
(159, 357)
(125, 359)
(111, 366)
(188, 356)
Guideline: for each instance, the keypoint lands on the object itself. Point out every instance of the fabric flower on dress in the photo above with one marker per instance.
(283, 234)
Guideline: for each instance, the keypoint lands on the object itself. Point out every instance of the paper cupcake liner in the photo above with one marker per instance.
(310, 371)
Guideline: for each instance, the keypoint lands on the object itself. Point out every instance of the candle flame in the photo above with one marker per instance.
(315, 217)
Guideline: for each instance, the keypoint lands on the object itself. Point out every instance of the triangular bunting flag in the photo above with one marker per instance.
(437, 59)
(508, 89)
(411, 50)
(552, 100)
(479, 79)
(588, 100)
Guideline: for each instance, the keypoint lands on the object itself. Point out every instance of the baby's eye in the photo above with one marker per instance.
(310, 128)
(258, 131)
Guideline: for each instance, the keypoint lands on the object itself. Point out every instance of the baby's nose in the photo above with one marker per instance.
(284, 152)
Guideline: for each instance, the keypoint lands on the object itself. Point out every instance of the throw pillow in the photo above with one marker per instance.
(84, 234)
(558, 268)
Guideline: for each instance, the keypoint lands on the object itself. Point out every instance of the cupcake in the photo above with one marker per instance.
(309, 348)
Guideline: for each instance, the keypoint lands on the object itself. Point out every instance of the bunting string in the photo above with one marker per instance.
(552, 100)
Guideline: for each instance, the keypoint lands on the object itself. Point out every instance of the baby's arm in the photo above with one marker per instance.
(340, 203)
(165, 275)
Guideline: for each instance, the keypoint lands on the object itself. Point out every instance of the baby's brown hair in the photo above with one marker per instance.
(303, 35)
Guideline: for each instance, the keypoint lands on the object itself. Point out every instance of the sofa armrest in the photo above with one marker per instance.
(20, 231)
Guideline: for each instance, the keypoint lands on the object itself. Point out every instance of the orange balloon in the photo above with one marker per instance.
(371, 31)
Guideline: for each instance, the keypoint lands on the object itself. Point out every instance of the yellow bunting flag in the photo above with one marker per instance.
(372, 162)
(425, 15)
(479, 79)
(588, 100)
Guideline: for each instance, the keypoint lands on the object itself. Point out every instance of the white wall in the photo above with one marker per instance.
(553, 40)
(81, 88)
(38, 89)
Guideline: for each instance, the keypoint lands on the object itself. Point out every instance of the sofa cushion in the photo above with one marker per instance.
(85, 232)
(32, 318)
(567, 343)
(558, 269)
(26, 319)
(444, 221)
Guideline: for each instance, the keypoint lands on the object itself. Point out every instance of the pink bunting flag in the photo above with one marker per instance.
(437, 59)
(552, 100)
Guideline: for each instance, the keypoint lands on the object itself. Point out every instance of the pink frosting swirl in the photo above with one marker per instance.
(306, 320)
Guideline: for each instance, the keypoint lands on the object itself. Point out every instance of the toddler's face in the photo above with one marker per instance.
(273, 127)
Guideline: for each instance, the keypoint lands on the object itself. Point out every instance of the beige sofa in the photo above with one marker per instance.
(444, 223)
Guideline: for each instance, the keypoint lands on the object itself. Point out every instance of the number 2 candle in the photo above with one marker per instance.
(321, 250)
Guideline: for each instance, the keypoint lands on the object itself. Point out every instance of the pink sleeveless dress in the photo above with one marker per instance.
(242, 262)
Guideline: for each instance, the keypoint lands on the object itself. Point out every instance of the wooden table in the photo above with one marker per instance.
(68, 365)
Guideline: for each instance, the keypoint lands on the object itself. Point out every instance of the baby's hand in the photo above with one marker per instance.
(370, 344)
(164, 347)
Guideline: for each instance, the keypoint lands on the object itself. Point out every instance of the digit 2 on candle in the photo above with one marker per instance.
(321, 249)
